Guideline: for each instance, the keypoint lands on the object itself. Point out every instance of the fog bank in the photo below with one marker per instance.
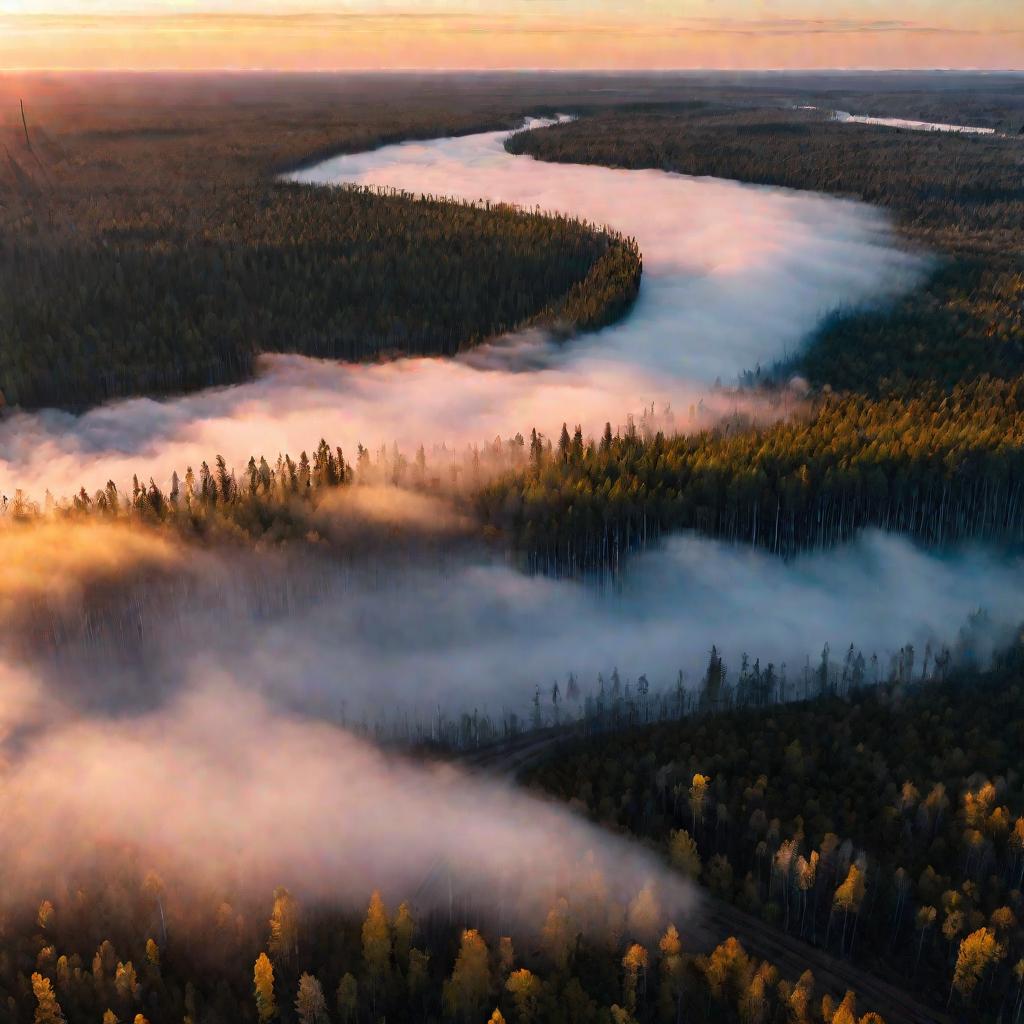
(241, 804)
(735, 276)
(193, 718)
(402, 644)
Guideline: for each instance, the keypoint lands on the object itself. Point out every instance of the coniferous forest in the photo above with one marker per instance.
(836, 839)
(153, 259)
(904, 395)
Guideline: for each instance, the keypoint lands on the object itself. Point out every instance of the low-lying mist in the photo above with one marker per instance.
(397, 643)
(194, 714)
(197, 705)
(237, 802)
(735, 277)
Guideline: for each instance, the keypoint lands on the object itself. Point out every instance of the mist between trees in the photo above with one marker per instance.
(941, 468)
(385, 608)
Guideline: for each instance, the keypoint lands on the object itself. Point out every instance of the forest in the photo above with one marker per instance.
(153, 259)
(850, 829)
(881, 823)
(112, 954)
(942, 467)
(902, 395)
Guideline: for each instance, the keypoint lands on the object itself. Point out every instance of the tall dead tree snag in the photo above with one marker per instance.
(24, 125)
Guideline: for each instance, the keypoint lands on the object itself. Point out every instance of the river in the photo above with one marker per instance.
(735, 276)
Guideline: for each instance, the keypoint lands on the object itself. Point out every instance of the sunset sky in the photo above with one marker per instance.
(356, 34)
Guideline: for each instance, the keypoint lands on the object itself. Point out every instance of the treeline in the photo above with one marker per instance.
(940, 467)
(264, 502)
(108, 954)
(884, 827)
(959, 195)
(276, 499)
(149, 251)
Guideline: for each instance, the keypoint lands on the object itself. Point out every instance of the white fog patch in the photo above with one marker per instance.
(915, 126)
(259, 798)
(220, 700)
(844, 117)
(735, 276)
(413, 643)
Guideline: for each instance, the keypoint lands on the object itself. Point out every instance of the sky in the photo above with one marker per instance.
(497, 34)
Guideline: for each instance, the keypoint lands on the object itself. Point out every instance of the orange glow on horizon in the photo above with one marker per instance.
(304, 41)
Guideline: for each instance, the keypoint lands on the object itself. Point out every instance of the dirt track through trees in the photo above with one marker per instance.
(716, 920)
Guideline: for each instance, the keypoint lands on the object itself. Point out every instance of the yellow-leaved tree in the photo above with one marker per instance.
(48, 1010)
(978, 951)
(376, 947)
(524, 987)
(470, 983)
(263, 988)
(284, 926)
(683, 853)
(635, 964)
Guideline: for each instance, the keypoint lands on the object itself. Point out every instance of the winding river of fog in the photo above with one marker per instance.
(238, 670)
(734, 276)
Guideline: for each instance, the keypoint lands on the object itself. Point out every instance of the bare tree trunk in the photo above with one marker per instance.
(24, 125)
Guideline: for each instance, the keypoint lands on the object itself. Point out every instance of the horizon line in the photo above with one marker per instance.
(413, 69)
